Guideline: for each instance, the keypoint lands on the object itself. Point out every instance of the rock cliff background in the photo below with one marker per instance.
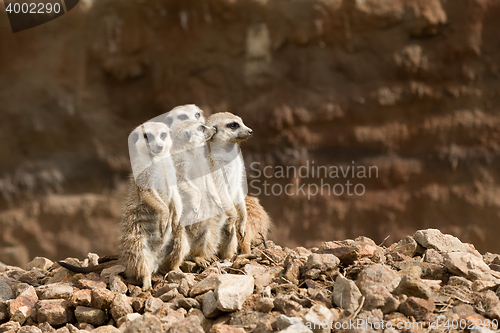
(409, 86)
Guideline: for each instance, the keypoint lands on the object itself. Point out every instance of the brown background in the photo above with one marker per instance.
(409, 86)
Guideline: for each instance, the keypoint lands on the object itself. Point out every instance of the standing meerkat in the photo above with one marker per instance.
(229, 171)
(152, 209)
(257, 226)
(184, 112)
(201, 203)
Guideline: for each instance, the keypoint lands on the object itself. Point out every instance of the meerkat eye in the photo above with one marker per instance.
(197, 115)
(145, 136)
(201, 129)
(163, 136)
(233, 126)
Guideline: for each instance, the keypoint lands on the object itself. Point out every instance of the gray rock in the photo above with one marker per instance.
(55, 291)
(210, 309)
(40, 263)
(346, 294)
(407, 246)
(465, 264)
(169, 295)
(152, 304)
(317, 315)
(232, 290)
(411, 285)
(282, 321)
(435, 239)
(91, 316)
(147, 323)
(189, 324)
(6, 292)
(323, 262)
(121, 306)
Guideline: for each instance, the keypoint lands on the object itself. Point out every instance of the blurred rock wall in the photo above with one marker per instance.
(408, 86)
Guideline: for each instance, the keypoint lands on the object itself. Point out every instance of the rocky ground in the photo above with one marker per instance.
(428, 279)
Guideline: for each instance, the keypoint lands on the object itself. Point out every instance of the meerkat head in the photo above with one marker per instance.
(184, 112)
(151, 139)
(190, 134)
(228, 128)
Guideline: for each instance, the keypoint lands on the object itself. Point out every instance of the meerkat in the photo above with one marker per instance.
(152, 211)
(198, 191)
(257, 226)
(229, 171)
(184, 112)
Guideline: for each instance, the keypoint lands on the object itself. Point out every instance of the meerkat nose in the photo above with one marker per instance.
(250, 132)
(159, 147)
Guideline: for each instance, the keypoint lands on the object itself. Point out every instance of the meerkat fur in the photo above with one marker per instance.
(257, 226)
(229, 169)
(184, 112)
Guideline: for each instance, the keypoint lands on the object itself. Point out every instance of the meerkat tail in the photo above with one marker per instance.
(104, 259)
(89, 269)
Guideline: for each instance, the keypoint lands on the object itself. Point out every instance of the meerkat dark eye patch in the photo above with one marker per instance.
(163, 136)
(149, 137)
(169, 121)
(183, 117)
(233, 126)
(197, 115)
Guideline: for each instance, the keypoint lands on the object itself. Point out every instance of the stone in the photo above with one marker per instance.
(106, 329)
(378, 274)
(222, 328)
(92, 283)
(435, 239)
(81, 297)
(96, 317)
(297, 328)
(6, 292)
(166, 297)
(55, 291)
(418, 308)
(316, 315)
(323, 262)
(204, 285)
(433, 256)
(413, 286)
(29, 329)
(55, 312)
(407, 246)
(346, 254)
(21, 315)
(128, 318)
(187, 303)
(465, 264)
(183, 288)
(46, 328)
(11, 326)
(175, 277)
(147, 323)
(253, 320)
(102, 298)
(189, 324)
(210, 309)
(265, 304)
(121, 306)
(4, 311)
(41, 263)
(113, 270)
(152, 304)
(27, 298)
(283, 321)
(232, 290)
(346, 294)
(117, 285)
(163, 288)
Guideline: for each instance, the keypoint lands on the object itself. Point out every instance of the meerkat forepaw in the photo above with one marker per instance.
(201, 262)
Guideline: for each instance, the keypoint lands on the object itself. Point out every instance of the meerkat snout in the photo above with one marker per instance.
(228, 128)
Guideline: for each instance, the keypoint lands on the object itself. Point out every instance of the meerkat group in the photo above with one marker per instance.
(187, 198)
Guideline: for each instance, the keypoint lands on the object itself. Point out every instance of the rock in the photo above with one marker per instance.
(29, 329)
(55, 291)
(41, 263)
(81, 297)
(128, 318)
(121, 306)
(46, 328)
(346, 254)
(412, 286)
(163, 288)
(4, 311)
(91, 316)
(113, 270)
(316, 315)
(175, 277)
(433, 256)
(296, 328)
(253, 320)
(27, 298)
(6, 292)
(407, 246)
(147, 323)
(106, 329)
(232, 290)
(102, 298)
(323, 262)
(152, 304)
(11, 326)
(55, 312)
(187, 325)
(222, 328)
(265, 304)
(283, 321)
(434, 239)
(169, 295)
(465, 264)
(417, 307)
(92, 283)
(21, 315)
(210, 309)
(204, 285)
(183, 288)
(378, 274)
(346, 294)
(187, 303)
(117, 285)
